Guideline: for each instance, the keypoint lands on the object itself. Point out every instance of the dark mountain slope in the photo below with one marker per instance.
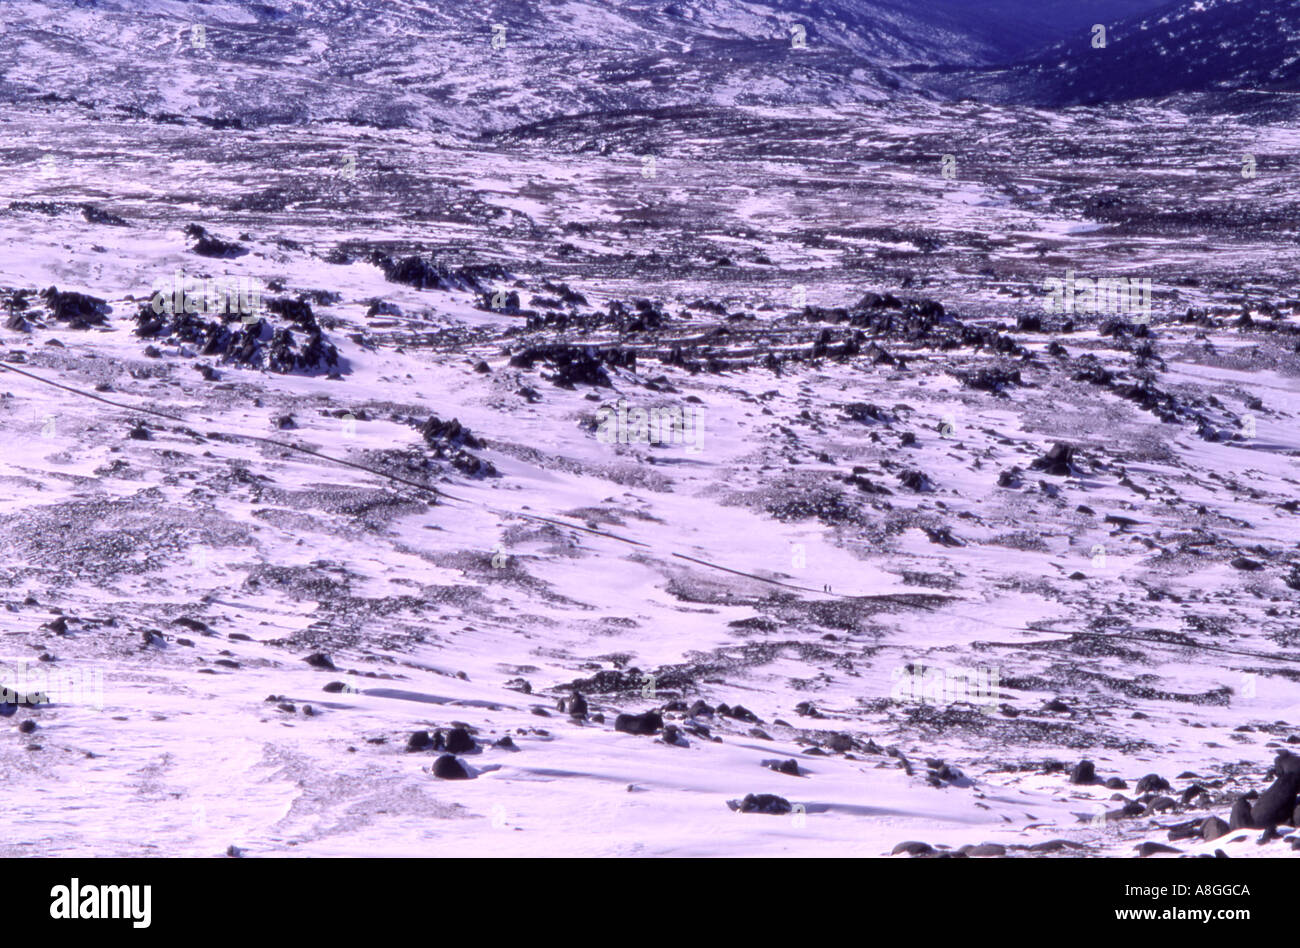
(1221, 46)
(1015, 29)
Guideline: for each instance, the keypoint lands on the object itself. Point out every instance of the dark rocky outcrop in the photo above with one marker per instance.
(576, 365)
(425, 274)
(78, 310)
(449, 441)
(250, 340)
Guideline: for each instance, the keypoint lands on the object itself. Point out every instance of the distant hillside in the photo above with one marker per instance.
(1221, 46)
(429, 64)
(1012, 30)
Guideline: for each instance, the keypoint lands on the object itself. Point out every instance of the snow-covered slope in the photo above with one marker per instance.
(937, 567)
(868, 468)
(472, 65)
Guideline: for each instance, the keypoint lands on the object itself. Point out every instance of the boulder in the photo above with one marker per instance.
(1084, 772)
(458, 741)
(447, 767)
(1213, 827)
(648, 723)
(768, 803)
(1277, 804)
(1058, 461)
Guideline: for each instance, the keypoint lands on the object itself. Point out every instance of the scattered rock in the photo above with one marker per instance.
(1054, 845)
(1152, 849)
(916, 481)
(1058, 461)
(740, 713)
(804, 709)
(991, 380)
(701, 709)
(458, 741)
(420, 740)
(1084, 772)
(762, 803)
(912, 848)
(447, 767)
(648, 723)
(576, 705)
(840, 743)
(1011, 477)
(1240, 817)
(1152, 783)
(1159, 805)
(985, 849)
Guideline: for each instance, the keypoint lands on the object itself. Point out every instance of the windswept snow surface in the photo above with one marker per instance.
(865, 504)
